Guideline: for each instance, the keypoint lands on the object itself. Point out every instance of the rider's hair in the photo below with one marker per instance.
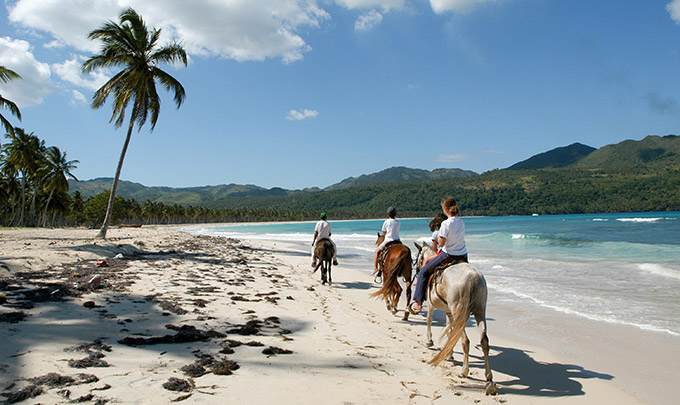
(392, 212)
(436, 222)
(450, 204)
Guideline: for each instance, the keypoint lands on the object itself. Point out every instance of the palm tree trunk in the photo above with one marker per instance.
(33, 220)
(47, 204)
(114, 186)
(22, 200)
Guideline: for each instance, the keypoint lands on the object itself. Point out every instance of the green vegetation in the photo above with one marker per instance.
(558, 157)
(33, 180)
(5, 76)
(499, 192)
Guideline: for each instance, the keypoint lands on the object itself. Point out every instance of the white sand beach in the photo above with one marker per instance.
(154, 315)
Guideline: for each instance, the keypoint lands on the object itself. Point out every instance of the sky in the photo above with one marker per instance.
(305, 93)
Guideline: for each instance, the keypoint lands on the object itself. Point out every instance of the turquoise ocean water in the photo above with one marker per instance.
(619, 268)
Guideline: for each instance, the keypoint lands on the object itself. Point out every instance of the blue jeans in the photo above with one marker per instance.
(424, 275)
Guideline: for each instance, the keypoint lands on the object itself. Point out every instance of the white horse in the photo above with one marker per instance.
(459, 290)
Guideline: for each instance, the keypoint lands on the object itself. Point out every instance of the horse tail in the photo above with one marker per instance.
(390, 286)
(460, 314)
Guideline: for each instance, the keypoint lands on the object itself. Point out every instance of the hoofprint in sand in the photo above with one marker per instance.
(153, 316)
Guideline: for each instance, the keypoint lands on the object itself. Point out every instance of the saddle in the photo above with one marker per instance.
(385, 250)
(446, 263)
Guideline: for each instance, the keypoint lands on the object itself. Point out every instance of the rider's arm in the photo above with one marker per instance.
(442, 241)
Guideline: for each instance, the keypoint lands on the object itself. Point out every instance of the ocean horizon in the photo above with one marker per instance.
(618, 268)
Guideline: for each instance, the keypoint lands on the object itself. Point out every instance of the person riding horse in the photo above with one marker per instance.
(390, 231)
(322, 230)
(452, 242)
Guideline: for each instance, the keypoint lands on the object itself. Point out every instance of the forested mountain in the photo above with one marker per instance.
(629, 176)
(170, 195)
(401, 174)
(559, 157)
(653, 152)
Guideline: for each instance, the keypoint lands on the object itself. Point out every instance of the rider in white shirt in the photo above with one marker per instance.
(322, 230)
(390, 231)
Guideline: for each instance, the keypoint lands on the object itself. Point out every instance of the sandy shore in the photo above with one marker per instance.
(154, 316)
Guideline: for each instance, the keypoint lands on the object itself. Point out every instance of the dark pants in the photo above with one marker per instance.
(426, 271)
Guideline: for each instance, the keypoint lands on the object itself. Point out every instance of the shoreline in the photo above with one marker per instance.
(346, 347)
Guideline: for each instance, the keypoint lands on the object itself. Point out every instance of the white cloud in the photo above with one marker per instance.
(35, 84)
(77, 97)
(71, 71)
(368, 20)
(383, 4)
(236, 29)
(442, 6)
(295, 115)
(451, 158)
(673, 9)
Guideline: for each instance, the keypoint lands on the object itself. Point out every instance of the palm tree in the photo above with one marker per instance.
(55, 174)
(130, 45)
(5, 76)
(24, 154)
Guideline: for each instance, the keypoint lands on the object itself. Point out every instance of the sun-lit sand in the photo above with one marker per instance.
(153, 315)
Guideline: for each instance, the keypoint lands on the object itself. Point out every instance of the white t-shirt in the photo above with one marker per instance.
(453, 229)
(391, 229)
(323, 230)
(435, 239)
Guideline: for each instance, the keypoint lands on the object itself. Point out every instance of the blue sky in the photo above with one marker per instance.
(303, 93)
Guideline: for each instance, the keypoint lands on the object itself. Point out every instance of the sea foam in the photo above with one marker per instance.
(659, 270)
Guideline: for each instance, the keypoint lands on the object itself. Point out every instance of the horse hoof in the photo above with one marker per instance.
(464, 373)
(490, 388)
(405, 317)
(389, 307)
(429, 343)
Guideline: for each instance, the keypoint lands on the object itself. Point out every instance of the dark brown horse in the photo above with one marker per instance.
(396, 263)
(323, 255)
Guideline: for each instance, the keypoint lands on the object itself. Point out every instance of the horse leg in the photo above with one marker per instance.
(430, 311)
(330, 280)
(490, 385)
(449, 323)
(395, 299)
(408, 299)
(466, 353)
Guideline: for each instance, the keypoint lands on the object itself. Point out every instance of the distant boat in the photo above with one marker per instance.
(534, 214)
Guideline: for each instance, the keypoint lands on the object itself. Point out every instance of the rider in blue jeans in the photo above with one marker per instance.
(452, 241)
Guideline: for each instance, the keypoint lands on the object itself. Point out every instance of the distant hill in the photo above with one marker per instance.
(170, 195)
(558, 157)
(628, 161)
(401, 174)
(651, 153)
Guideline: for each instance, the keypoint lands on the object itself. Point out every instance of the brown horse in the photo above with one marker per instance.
(459, 290)
(396, 263)
(323, 255)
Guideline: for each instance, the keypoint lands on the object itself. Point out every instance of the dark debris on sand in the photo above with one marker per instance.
(185, 333)
(178, 384)
(209, 364)
(13, 317)
(51, 380)
(94, 357)
(255, 326)
(272, 351)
